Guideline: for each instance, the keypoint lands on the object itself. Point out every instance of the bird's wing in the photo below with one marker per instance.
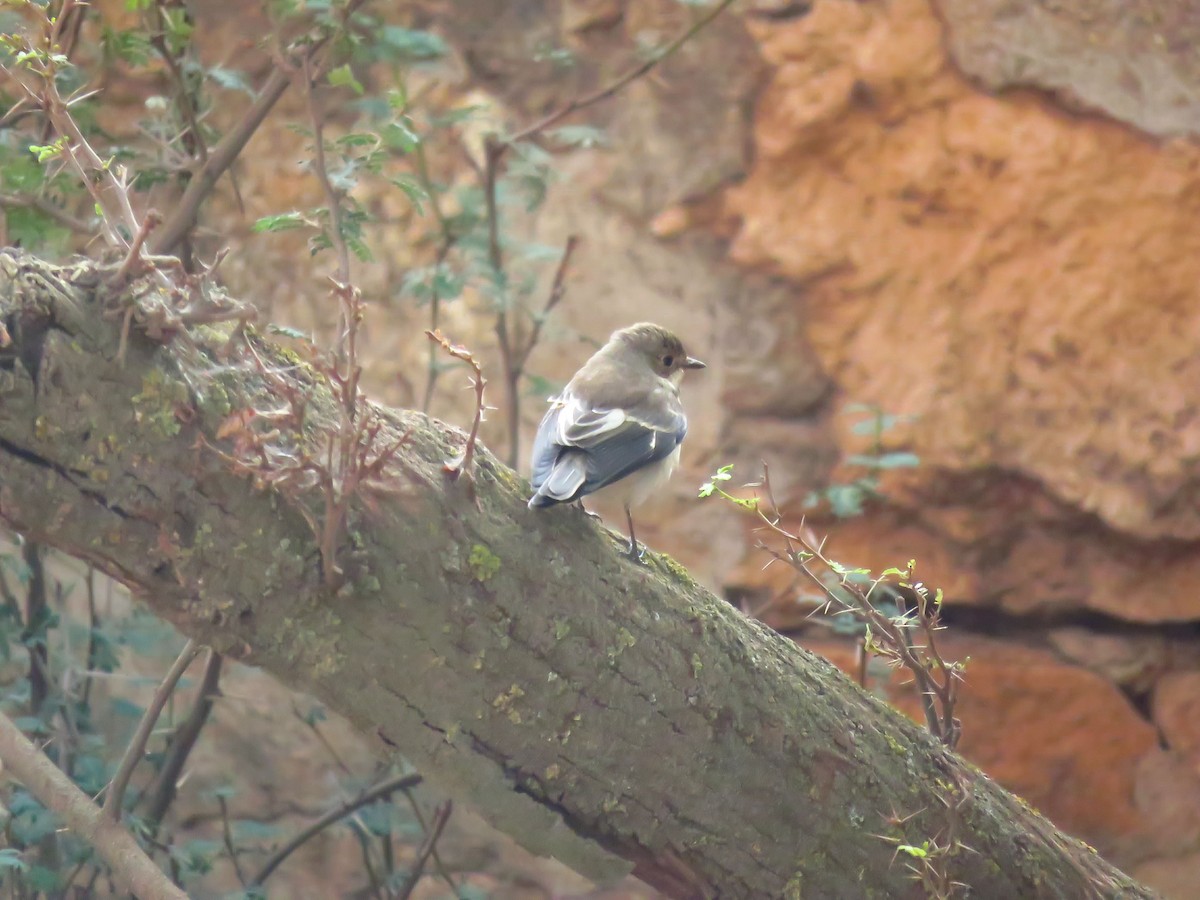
(580, 448)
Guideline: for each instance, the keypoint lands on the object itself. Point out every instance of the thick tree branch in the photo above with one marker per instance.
(57, 793)
(613, 715)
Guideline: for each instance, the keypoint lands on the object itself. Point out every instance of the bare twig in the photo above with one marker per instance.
(936, 682)
(332, 197)
(437, 858)
(46, 208)
(515, 349)
(378, 792)
(462, 464)
(36, 611)
(192, 138)
(183, 217)
(448, 240)
(89, 657)
(137, 744)
(375, 885)
(58, 794)
(227, 837)
(162, 793)
(615, 86)
(417, 869)
(133, 258)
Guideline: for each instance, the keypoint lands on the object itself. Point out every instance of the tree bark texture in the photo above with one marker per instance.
(613, 715)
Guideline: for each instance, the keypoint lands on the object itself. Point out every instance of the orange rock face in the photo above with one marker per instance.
(1064, 739)
(1020, 279)
(1177, 713)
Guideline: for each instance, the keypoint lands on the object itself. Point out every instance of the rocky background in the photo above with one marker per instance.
(978, 216)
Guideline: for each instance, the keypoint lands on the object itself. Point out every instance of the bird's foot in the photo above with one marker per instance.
(636, 552)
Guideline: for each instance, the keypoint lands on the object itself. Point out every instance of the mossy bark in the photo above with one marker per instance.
(613, 715)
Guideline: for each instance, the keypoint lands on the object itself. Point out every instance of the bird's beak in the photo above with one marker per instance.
(693, 363)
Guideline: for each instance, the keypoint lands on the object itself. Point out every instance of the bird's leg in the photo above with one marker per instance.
(587, 512)
(635, 553)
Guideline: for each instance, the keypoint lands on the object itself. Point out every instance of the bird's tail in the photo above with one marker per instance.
(563, 482)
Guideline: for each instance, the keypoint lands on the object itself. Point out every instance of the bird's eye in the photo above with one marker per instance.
(668, 361)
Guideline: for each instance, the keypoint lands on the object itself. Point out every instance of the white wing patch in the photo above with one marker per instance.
(579, 425)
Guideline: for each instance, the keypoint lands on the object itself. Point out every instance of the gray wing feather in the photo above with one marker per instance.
(580, 449)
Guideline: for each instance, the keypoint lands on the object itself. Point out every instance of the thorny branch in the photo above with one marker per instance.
(461, 464)
(937, 682)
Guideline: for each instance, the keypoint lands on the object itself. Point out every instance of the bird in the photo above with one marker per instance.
(617, 425)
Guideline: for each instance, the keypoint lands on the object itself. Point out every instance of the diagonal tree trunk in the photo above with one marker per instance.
(612, 715)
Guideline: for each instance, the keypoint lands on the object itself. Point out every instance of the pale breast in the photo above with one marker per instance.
(634, 490)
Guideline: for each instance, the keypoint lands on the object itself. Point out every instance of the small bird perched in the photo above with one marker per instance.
(618, 420)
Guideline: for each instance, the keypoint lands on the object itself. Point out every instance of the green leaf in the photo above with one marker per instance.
(90, 773)
(44, 152)
(845, 500)
(42, 879)
(357, 139)
(34, 230)
(584, 136)
(878, 423)
(896, 460)
(454, 116)
(400, 135)
(377, 817)
(122, 707)
(230, 79)
(281, 222)
(343, 76)
(253, 830)
(410, 45)
(288, 331)
(414, 190)
(178, 28)
(918, 852)
(132, 47)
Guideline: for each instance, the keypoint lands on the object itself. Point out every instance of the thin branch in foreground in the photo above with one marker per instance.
(57, 793)
(378, 792)
(227, 838)
(615, 86)
(162, 793)
(137, 744)
(183, 217)
(515, 350)
(437, 859)
(887, 636)
(440, 818)
(456, 467)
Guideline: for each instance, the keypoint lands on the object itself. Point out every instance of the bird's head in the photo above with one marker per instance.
(660, 348)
